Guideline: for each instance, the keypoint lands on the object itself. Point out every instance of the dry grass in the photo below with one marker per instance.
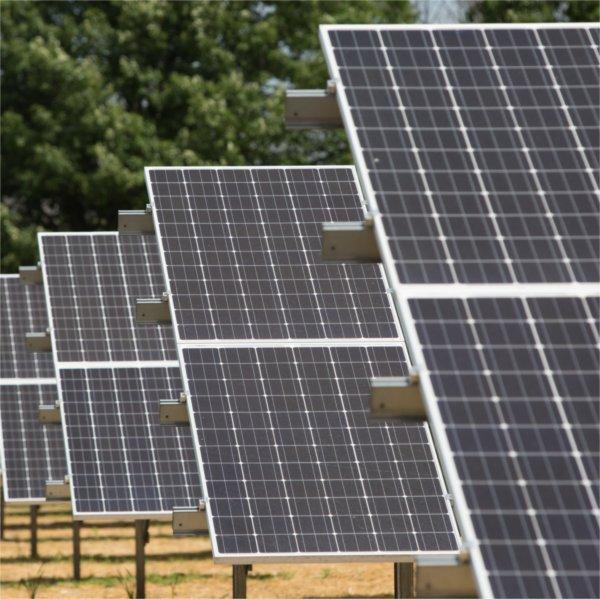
(175, 567)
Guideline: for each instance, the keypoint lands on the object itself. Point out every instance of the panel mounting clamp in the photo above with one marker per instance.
(350, 242)
(397, 397)
(39, 342)
(189, 520)
(58, 490)
(136, 221)
(154, 310)
(30, 275)
(174, 411)
(312, 108)
(49, 414)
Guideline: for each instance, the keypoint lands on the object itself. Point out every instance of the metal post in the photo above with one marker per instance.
(1, 514)
(240, 573)
(33, 527)
(141, 538)
(404, 580)
(76, 549)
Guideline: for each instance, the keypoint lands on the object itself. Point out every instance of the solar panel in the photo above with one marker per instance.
(478, 146)
(31, 453)
(291, 465)
(123, 461)
(22, 310)
(242, 249)
(294, 467)
(93, 281)
(112, 372)
(515, 381)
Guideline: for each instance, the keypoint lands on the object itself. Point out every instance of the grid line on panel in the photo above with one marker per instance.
(516, 383)
(151, 467)
(242, 249)
(480, 168)
(31, 453)
(92, 283)
(22, 310)
(291, 463)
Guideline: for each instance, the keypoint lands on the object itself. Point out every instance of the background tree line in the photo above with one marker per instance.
(94, 91)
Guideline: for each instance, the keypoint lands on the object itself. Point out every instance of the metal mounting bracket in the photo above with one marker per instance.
(154, 310)
(397, 397)
(312, 108)
(350, 242)
(58, 490)
(189, 520)
(49, 414)
(136, 221)
(174, 411)
(38, 342)
(30, 275)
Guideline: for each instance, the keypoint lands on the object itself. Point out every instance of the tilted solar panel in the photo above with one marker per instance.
(123, 460)
(291, 467)
(294, 466)
(478, 146)
(22, 310)
(242, 248)
(112, 372)
(515, 380)
(31, 453)
(93, 282)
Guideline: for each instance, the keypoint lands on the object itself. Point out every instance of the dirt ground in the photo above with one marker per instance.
(175, 567)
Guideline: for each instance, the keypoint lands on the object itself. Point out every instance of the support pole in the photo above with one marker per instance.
(240, 573)
(1, 514)
(33, 527)
(141, 538)
(404, 580)
(76, 550)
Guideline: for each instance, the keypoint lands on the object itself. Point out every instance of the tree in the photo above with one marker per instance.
(95, 91)
(534, 11)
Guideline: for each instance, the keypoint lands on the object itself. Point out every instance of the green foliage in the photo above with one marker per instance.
(94, 91)
(529, 11)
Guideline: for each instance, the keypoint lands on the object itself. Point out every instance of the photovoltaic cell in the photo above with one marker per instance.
(516, 382)
(293, 465)
(122, 459)
(480, 146)
(22, 310)
(93, 281)
(242, 249)
(31, 453)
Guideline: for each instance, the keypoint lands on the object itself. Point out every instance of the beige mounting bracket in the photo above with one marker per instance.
(49, 414)
(189, 520)
(30, 275)
(58, 490)
(136, 221)
(350, 242)
(154, 310)
(312, 108)
(398, 396)
(174, 411)
(38, 342)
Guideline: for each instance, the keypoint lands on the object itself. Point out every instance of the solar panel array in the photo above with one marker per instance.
(112, 372)
(291, 465)
(30, 454)
(478, 147)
